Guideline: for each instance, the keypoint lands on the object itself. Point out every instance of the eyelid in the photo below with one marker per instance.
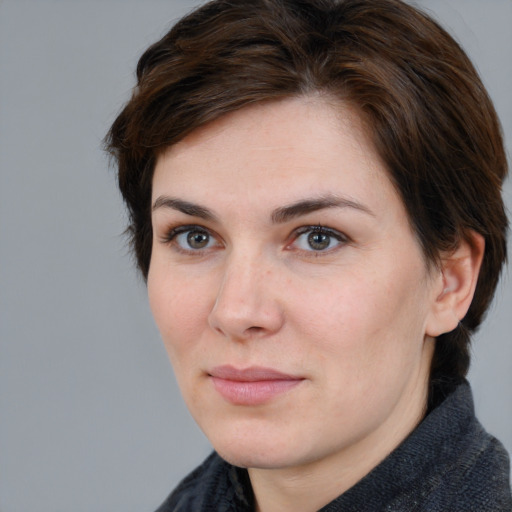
(318, 228)
(172, 232)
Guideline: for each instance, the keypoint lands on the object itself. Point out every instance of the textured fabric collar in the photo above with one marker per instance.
(431, 459)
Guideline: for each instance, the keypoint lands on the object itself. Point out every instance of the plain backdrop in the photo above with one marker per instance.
(90, 416)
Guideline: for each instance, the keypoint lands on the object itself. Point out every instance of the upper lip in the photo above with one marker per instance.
(250, 374)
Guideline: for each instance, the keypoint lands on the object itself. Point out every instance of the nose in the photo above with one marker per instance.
(246, 304)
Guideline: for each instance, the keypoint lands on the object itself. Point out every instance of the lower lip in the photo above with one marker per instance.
(252, 393)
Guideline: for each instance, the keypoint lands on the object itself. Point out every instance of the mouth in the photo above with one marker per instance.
(251, 386)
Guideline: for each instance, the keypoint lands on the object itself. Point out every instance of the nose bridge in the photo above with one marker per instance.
(246, 302)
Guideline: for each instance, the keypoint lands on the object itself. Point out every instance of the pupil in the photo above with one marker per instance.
(318, 241)
(197, 240)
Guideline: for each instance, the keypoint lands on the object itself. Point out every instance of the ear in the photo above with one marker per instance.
(455, 285)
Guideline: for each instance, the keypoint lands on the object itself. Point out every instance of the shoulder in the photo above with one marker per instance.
(469, 470)
(192, 490)
(479, 479)
(215, 485)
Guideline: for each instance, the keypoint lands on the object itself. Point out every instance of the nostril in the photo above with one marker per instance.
(254, 329)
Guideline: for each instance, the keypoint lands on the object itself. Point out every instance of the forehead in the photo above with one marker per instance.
(276, 152)
(282, 123)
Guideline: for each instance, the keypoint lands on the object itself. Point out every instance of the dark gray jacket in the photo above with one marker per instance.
(448, 464)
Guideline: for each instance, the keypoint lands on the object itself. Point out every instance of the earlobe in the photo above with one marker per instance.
(456, 285)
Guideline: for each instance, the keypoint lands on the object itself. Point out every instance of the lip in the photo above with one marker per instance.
(255, 385)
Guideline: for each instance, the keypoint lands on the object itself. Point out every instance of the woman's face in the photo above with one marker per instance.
(288, 287)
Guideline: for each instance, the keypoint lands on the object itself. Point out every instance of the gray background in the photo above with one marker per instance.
(90, 416)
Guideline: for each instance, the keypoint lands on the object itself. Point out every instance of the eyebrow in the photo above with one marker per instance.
(303, 207)
(185, 207)
(278, 216)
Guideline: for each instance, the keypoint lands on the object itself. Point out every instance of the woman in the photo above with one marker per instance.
(314, 189)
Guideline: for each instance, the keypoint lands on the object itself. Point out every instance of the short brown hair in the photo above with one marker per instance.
(421, 100)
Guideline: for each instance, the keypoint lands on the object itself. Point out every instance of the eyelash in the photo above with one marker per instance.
(173, 233)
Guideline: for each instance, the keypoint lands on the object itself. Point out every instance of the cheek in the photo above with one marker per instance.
(180, 308)
(341, 310)
(367, 320)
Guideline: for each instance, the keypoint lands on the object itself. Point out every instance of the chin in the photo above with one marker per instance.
(263, 451)
(253, 458)
(254, 451)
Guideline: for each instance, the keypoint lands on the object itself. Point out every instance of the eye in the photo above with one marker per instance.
(191, 239)
(317, 239)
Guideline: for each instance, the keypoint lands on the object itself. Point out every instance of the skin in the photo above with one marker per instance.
(353, 317)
